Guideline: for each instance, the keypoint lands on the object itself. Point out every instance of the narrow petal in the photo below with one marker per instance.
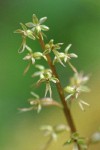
(25, 109)
(73, 55)
(23, 26)
(42, 20)
(33, 60)
(55, 80)
(27, 68)
(40, 67)
(44, 28)
(23, 46)
(29, 24)
(67, 48)
(48, 89)
(72, 67)
(34, 95)
(28, 48)
(30, 34)
(27, 57)
(38, 55)
(39, 108)
(35, 19)
(18, 31)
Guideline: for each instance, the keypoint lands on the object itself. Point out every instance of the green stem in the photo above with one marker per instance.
(66, 109)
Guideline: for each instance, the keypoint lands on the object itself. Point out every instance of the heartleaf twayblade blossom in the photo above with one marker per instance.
(76, 87)
(47, 77)
(51, 47)
(37, 103)
(36, 26)
(32, 57)
(66, 57)
(24, 33)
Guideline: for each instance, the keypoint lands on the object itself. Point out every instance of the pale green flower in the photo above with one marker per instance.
(24, 33)
(65, 57)
(37, 103)
(53, 131)
(36, 26)
(47, 77)
(54, 48)
(32, 57)
(76, 87)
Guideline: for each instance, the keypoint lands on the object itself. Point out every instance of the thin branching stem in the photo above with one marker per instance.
(47, 144)
(66, 109)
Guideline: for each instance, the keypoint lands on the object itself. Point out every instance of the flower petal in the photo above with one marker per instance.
(35, 19)
(29, 24)
(44, 28)
(67, 48)
(23, 26)
(42, 20)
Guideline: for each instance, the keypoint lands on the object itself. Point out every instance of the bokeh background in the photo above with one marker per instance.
(70, 21)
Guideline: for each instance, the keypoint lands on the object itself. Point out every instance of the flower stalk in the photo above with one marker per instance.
(35, 31)
(66, 109)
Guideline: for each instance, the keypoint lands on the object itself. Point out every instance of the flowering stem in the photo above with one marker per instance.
(66, 109)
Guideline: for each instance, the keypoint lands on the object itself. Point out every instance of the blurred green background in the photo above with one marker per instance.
(70, 21)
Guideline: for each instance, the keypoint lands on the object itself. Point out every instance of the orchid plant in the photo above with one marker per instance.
(35, 31)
